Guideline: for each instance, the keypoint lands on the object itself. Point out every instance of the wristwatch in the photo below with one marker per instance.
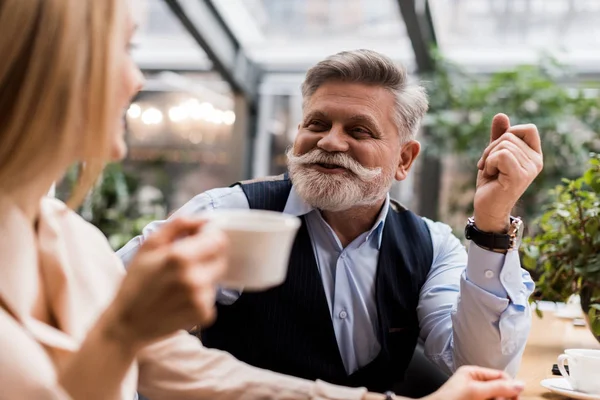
(496, 241)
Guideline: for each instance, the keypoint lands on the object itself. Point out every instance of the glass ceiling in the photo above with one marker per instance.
(493, 34)
(162, 43)
(294, 34)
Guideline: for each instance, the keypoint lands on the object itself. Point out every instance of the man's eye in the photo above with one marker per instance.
(360, 131)
(316, 125)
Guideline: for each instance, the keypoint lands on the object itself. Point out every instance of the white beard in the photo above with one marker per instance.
(359, 186)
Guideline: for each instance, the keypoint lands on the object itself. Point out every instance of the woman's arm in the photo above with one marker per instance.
(170, 283)
(98, 369)
(181, 368)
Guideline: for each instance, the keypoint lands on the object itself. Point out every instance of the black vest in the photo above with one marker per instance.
(288, 329)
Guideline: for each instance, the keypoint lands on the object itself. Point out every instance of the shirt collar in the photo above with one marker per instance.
(19, 259)
(20, 253)
(297, 207)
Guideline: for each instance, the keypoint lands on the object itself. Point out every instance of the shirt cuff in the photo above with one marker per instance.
(227, 297)
(496, 273)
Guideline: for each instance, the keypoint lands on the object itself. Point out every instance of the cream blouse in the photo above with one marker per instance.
(79, 273)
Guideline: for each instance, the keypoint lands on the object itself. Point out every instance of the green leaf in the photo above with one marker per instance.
(595, 325)
(529, 263)
(539, 312)
(592, 179)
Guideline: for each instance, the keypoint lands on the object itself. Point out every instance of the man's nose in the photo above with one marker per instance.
(334, 140)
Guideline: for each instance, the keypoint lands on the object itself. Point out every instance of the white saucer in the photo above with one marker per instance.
(561, 386)
(569, 313)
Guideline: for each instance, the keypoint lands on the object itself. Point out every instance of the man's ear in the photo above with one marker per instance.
(408, 155)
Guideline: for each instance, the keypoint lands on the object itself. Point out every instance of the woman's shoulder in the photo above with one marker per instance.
(73, 230)
(60, 216)
(57, 206)
(79, 247)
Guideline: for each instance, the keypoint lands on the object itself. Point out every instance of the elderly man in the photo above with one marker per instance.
(367, 277)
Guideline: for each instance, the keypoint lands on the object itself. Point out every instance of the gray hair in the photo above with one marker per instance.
(372, 68)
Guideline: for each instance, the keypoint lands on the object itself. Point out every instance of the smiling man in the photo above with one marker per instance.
(367, 277)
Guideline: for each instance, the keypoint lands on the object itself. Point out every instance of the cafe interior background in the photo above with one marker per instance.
(222, 102)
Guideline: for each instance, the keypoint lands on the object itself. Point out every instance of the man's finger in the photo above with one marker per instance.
(488, 374)
(524, 149)
(529, 134)
(502, 162)
(497, 388)
(500, 124)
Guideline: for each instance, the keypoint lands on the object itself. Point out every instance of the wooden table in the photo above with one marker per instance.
(549, 337)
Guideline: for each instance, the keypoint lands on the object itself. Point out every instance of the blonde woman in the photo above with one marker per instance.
(72, 324)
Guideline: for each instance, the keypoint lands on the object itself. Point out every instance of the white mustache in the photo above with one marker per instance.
(318, 156)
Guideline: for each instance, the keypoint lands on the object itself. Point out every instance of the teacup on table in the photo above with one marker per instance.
(260, 246)
(584, 369)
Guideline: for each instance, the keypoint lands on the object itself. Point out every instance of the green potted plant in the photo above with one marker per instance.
(564, 252)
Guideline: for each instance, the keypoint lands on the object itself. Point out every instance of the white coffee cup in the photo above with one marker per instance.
(584, 369)
(260, 246)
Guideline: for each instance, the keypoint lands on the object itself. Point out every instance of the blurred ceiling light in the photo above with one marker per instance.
(196, 110)
(203, 111)
(206, 107)
(216, 117)
(152, 116)
(277, 127)
(178, 114)
(134, 111)
(190, 107)
(196, 138)
(228, 117)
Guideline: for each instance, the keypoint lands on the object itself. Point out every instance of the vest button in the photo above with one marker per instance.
(343, 314)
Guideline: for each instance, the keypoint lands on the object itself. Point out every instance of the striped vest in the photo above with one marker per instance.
(288, 329)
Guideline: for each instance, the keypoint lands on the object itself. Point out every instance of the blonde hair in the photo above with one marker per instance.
(57, 87)
(372, 68)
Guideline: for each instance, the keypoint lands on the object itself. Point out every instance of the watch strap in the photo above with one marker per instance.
(487, 240)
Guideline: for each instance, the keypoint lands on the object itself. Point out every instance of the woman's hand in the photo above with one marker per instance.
(171, 283)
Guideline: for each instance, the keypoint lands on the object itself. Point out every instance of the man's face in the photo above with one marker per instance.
(348, 147)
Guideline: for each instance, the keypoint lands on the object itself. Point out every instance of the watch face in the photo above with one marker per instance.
(516, 232)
